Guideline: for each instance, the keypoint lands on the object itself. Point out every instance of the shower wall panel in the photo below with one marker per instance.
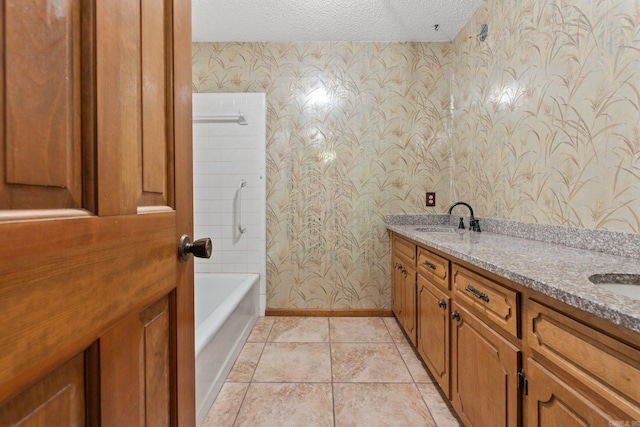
(224, 153)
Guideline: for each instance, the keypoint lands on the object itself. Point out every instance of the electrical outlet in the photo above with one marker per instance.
(431, 199)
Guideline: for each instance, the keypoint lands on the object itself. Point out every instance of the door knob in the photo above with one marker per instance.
(201, 248)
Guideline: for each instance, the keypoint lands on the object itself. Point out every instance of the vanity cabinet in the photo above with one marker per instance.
(433, 331)
(397, 294)
(434, 305)
(485, 359)
(493, 302)
(550, 401)
(576, 373)
(484, 386)
(434, 268)
(506, 355)
(403, 285)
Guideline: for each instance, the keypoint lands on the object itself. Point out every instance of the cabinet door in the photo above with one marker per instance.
(433, 331)
(608, 367)
(484, 371)
(409, 308)
(403, 289)
(396, 289)
(551, 403)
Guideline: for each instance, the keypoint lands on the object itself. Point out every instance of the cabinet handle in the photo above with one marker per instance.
(399, 266)
(455, 315)
(430, 265)
(404, 272)
(476, 293)
(442, 304)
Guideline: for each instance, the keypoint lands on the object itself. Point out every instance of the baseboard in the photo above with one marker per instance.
(328, 313)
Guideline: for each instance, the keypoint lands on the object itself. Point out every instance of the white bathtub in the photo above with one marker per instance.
(226, 309)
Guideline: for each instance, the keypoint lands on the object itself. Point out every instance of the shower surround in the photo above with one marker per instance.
(224, 154)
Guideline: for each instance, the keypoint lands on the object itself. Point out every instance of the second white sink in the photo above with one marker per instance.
(621, 284)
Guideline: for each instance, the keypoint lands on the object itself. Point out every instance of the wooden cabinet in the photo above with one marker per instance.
(506, 355)
(434, 268)
(397, 298)
(408, 284)
(604, 371)
(433, 330)
(404, 297)
(433, 315)
(551, 402)
(405, 249)
(484, 386)
(403, 285)
(488, 299)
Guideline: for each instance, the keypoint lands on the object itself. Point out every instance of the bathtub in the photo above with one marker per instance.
(226, 309)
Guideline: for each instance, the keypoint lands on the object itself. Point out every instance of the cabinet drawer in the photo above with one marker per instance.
(487, 298)
(405, 250)
(552, 402)
(434, 268)
(604, 365)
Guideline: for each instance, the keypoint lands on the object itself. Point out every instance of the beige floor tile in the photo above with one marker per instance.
(294, 362)
(291, 380)
(300, 329)
(358, 329)
(271, 405)
(394, 329)
(417, 369)
(246, 363)
(224, 410)
(438, 408)
(380, 405)
(261, 330)
(368, 362)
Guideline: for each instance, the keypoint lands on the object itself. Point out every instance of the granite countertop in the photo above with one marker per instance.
(555, 270)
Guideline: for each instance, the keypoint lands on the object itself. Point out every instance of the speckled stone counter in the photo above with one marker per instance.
(555, 270)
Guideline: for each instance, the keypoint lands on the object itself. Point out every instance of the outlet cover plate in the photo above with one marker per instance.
(431, 199)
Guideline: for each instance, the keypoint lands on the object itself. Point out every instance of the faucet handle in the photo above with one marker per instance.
(461, 225)
(475, 225)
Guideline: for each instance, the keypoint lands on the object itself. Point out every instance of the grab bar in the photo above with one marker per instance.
(212, 118)
(241, 229)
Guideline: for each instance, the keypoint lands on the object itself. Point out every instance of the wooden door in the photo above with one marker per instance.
(484, 383)
(433, 331)
(95, 190)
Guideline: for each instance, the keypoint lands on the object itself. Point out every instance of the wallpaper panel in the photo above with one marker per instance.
(546, 113)
(355, 131)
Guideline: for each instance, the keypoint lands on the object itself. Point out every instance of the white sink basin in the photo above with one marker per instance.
(621, 284)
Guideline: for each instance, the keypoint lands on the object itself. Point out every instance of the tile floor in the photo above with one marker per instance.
(318, 371)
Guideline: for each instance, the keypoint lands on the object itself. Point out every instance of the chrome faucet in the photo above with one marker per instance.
(474, 224)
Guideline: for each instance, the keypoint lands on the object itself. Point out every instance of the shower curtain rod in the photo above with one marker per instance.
(210, 118)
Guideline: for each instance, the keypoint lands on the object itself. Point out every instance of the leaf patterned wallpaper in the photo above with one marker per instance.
(355, 131)
(546, 113)
(539, 123)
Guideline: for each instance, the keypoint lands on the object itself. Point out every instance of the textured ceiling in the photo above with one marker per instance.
(329, 20)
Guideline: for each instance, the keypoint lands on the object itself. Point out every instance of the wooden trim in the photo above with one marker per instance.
(92, 384)
(328, 313)
(181, 78)
(89, 107)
